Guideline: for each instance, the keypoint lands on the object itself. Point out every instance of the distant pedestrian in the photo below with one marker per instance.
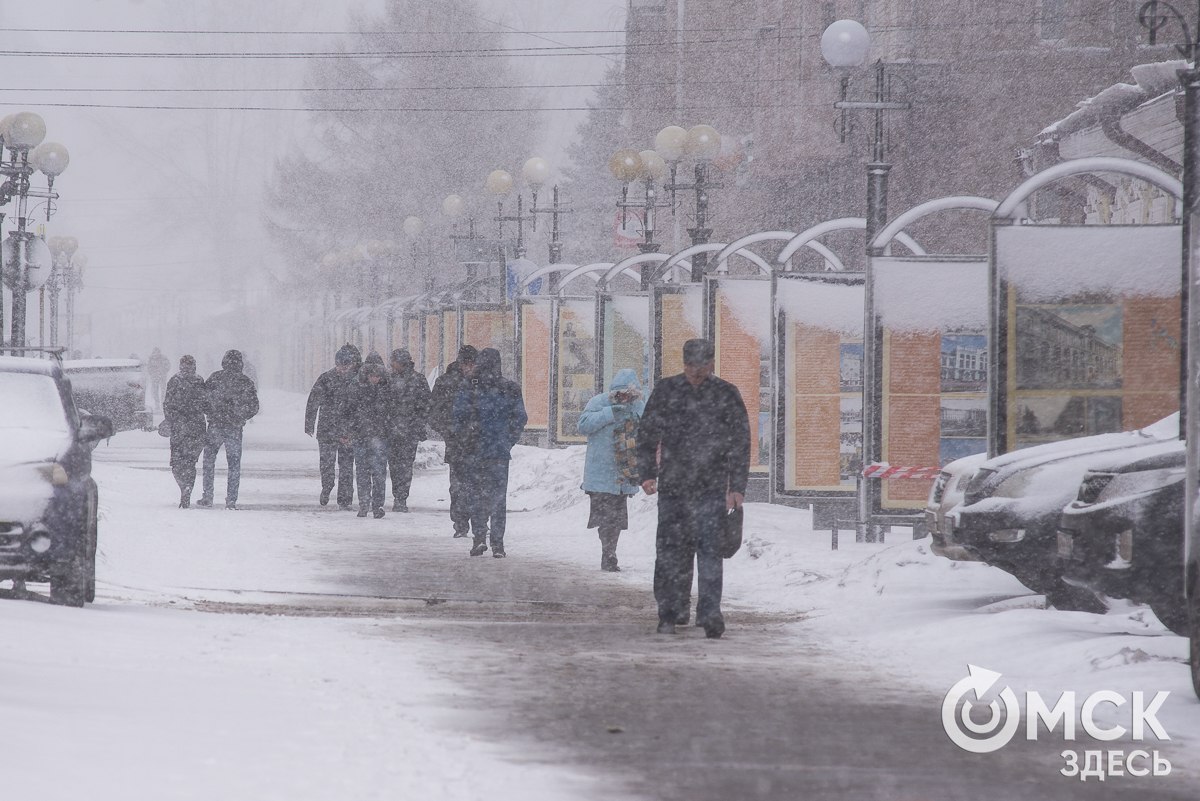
(610, 475)
(185, 409)
(233, 400)
(408, 426)
(157, 367)
(489, 418)
(373, 411)
(327, 414)
(441, 420)
(698, 423)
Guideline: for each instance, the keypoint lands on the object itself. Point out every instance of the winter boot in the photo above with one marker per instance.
(479, 547)
(185, 497)
(324, 499)
(400, 505)
(378, 513)
(205, 502)
(608, 550)
(362, 511)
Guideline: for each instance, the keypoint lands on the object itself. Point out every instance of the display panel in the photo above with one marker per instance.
(1090, 327)
(742, 336)
(449, 338)
(932, 312)
(535, 362)
(820, 318)
(491, 328)
(575, 381)
(626, 337)
(433, 342)
(680, 317)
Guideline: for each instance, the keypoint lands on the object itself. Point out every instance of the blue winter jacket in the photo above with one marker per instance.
(488, 415)
(598, 422)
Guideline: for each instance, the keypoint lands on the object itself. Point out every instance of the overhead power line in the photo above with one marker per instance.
(377, 110)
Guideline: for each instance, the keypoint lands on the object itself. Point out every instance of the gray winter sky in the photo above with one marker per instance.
(147, 188)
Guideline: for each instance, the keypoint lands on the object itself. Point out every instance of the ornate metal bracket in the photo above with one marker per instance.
(1157, 14)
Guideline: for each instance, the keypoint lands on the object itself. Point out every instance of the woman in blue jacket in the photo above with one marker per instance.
(610, 470)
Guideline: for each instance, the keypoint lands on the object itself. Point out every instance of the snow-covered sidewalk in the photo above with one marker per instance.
(139, 697)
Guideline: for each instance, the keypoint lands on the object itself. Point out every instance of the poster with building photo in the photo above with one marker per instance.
(851, 439)
(1069, 346)
(850, 372)
(964, 362)
(963, 427)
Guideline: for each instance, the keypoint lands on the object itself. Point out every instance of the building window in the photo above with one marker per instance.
(1052, 19)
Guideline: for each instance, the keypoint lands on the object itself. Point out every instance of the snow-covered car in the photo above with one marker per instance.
(1010, 513)
(1123, 533)
(115, 388)
(47, 496)
(947, 492)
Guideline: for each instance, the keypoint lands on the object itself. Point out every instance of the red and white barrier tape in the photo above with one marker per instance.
(885, 470)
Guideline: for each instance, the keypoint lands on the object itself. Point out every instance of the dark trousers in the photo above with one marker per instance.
(185, 451)
(402, 451)
(688, 530)
(460, 512)
(231, 438)
(487, 491)
(336, 455)
(371, 456)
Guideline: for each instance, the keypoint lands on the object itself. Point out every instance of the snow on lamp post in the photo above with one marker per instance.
(702, 144)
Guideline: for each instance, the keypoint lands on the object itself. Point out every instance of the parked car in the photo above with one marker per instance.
(47, 496)
(1010, 512)
(947, 492)
(1123, 533)
(115, 388)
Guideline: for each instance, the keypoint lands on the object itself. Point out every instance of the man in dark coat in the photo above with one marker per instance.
(701, 426)
(185, 408)
(408, 427)
(441, 418)
(233, 399)
(373, 410)
(489, 418)
(328, 416)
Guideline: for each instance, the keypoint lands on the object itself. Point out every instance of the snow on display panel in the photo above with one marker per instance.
(933, 313)
(1090, 325)
(742, 335)
(412, 335)
(535, 361)
(680, 318)
(821, 358)
(576, 377)
(626, 337)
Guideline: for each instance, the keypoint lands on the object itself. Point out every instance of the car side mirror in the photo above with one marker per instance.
(94, 427)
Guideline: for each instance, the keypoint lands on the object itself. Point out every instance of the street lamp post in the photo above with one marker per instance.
(536, 171)
(648, 167)
(22, 135)
(702, 143)
(845, 45)
(74, 283)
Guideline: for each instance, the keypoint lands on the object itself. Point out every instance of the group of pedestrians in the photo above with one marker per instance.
(201, 416)
(367, 417)
(689, 443)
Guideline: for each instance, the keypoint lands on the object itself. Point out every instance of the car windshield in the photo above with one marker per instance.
(31, 401)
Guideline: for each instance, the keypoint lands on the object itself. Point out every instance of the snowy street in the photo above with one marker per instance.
(290, 651)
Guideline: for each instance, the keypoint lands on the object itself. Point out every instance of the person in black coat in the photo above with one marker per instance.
(488, 420)
(408, 427)
(373, 412)
(441, 418)
(185, 408)
(328, 416)
(233, 399)
(700, 424)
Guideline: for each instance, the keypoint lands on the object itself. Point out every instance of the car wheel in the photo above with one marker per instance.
(1071, 598)
(69, 582)
(1172, 613)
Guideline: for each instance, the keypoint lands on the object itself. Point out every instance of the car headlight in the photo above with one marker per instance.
(55, 473)
(1141, 482)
